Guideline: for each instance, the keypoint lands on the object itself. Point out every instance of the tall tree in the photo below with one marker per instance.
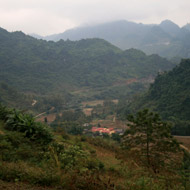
(150, 138)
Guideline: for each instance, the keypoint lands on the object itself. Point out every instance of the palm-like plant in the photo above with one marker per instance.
(25, 123)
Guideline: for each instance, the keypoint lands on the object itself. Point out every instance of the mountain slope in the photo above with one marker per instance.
(10, 96)
(170, 96)
(163, 39)
(40, 66)
(171, 91)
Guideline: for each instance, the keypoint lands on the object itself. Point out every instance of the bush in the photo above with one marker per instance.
(24, 123)
(73, 157)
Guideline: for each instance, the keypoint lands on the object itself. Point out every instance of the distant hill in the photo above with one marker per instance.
(187, 26)
(163, 39)
(170, 96)
(170, 27)
(39, 67)
(36, 36)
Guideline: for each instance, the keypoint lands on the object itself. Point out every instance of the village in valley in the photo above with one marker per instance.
(109, 126)
(103, 131)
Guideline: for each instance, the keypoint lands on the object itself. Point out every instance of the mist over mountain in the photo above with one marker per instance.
(166, 39)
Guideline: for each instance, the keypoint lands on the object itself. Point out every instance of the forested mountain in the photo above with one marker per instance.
(41, 67)
(166, 39)
(170, 96)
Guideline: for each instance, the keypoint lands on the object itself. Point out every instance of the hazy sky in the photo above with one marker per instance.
(46, 17)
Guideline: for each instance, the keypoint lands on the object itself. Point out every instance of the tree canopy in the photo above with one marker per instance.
(150, 138)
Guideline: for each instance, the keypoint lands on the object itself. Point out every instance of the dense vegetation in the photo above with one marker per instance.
(170, 96)
(59, 79)
(10, 96)
(149, 137)
(34, 157)
(37, 67)
(166, 39)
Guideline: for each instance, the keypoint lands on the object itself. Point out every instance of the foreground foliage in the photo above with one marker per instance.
(15, 120)
(72, 162)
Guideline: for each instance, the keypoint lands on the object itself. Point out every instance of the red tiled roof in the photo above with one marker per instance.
(102, 130)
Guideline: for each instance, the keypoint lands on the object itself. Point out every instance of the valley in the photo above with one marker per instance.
(88, 115)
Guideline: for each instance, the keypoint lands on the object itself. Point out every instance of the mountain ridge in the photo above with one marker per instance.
(125, 35)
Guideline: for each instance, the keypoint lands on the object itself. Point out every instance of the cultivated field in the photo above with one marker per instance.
(185, 140)
(109, 122)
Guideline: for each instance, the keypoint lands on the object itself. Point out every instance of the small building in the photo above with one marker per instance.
(102, 130)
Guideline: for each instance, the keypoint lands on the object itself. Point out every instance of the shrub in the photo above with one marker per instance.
(24, 123)
(73, 157)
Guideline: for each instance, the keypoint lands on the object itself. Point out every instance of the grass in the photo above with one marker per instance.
(107, 157)
(22, 171)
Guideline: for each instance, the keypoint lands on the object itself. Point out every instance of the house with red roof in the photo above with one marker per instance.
(102, 130)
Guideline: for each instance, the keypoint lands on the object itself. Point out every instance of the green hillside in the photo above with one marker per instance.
(170, 96)
(10, 96)
(47, 68)
(171, 91)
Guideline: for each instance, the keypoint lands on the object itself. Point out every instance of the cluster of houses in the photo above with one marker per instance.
(102, 130)
(99, 131)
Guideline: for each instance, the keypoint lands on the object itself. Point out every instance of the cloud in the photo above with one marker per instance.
(53, 16)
